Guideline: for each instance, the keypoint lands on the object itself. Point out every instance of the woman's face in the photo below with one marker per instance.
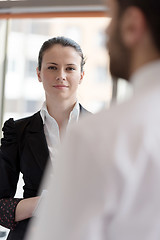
(60, 73)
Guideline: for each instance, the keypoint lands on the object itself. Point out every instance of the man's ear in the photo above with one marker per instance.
(38, 74)
(133, 26)
(82, 75)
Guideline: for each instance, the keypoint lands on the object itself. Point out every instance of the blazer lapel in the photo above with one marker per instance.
(37, 141)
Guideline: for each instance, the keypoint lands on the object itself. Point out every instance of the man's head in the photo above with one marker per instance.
(134, 35)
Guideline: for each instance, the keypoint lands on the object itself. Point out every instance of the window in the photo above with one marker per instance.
(30, 69)
(24, 42)
(101, 75)
(23, 93)
(74, 32)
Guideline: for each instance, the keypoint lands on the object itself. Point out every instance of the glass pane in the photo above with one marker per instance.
(23, 93)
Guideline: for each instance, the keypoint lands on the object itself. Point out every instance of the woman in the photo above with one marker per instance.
(28, 142)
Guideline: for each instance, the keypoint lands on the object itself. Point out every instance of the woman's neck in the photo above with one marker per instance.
(60, 112)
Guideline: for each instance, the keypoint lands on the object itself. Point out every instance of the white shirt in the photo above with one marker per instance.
(51, 128)
(106, 182)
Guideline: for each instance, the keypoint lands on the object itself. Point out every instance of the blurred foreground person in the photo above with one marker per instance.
(106, 182)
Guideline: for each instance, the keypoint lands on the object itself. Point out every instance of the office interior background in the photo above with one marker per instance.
(25, 25)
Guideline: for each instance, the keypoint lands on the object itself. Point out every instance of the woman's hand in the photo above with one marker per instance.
(25, 208)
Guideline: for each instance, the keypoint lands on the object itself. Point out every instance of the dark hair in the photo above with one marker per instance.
(63, 41)
(151, 11)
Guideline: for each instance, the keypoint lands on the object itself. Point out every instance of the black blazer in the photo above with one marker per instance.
(23, 149)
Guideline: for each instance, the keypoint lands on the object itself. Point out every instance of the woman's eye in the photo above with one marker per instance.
(52, 67)
(70, 69)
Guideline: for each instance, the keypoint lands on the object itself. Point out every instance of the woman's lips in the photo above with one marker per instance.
(60, 86)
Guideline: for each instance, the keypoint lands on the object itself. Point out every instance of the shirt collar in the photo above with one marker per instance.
(74, 114)
(43, 112)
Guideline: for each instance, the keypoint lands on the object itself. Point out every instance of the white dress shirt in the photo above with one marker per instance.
(51, 129)
(106, 182)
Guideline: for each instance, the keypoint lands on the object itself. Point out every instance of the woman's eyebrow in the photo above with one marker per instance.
(69, 64)
(52, 63)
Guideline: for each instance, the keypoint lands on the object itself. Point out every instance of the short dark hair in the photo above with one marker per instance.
(63, 41)
(151, 11)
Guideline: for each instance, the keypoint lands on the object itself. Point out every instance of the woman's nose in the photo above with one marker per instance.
(61, 76)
